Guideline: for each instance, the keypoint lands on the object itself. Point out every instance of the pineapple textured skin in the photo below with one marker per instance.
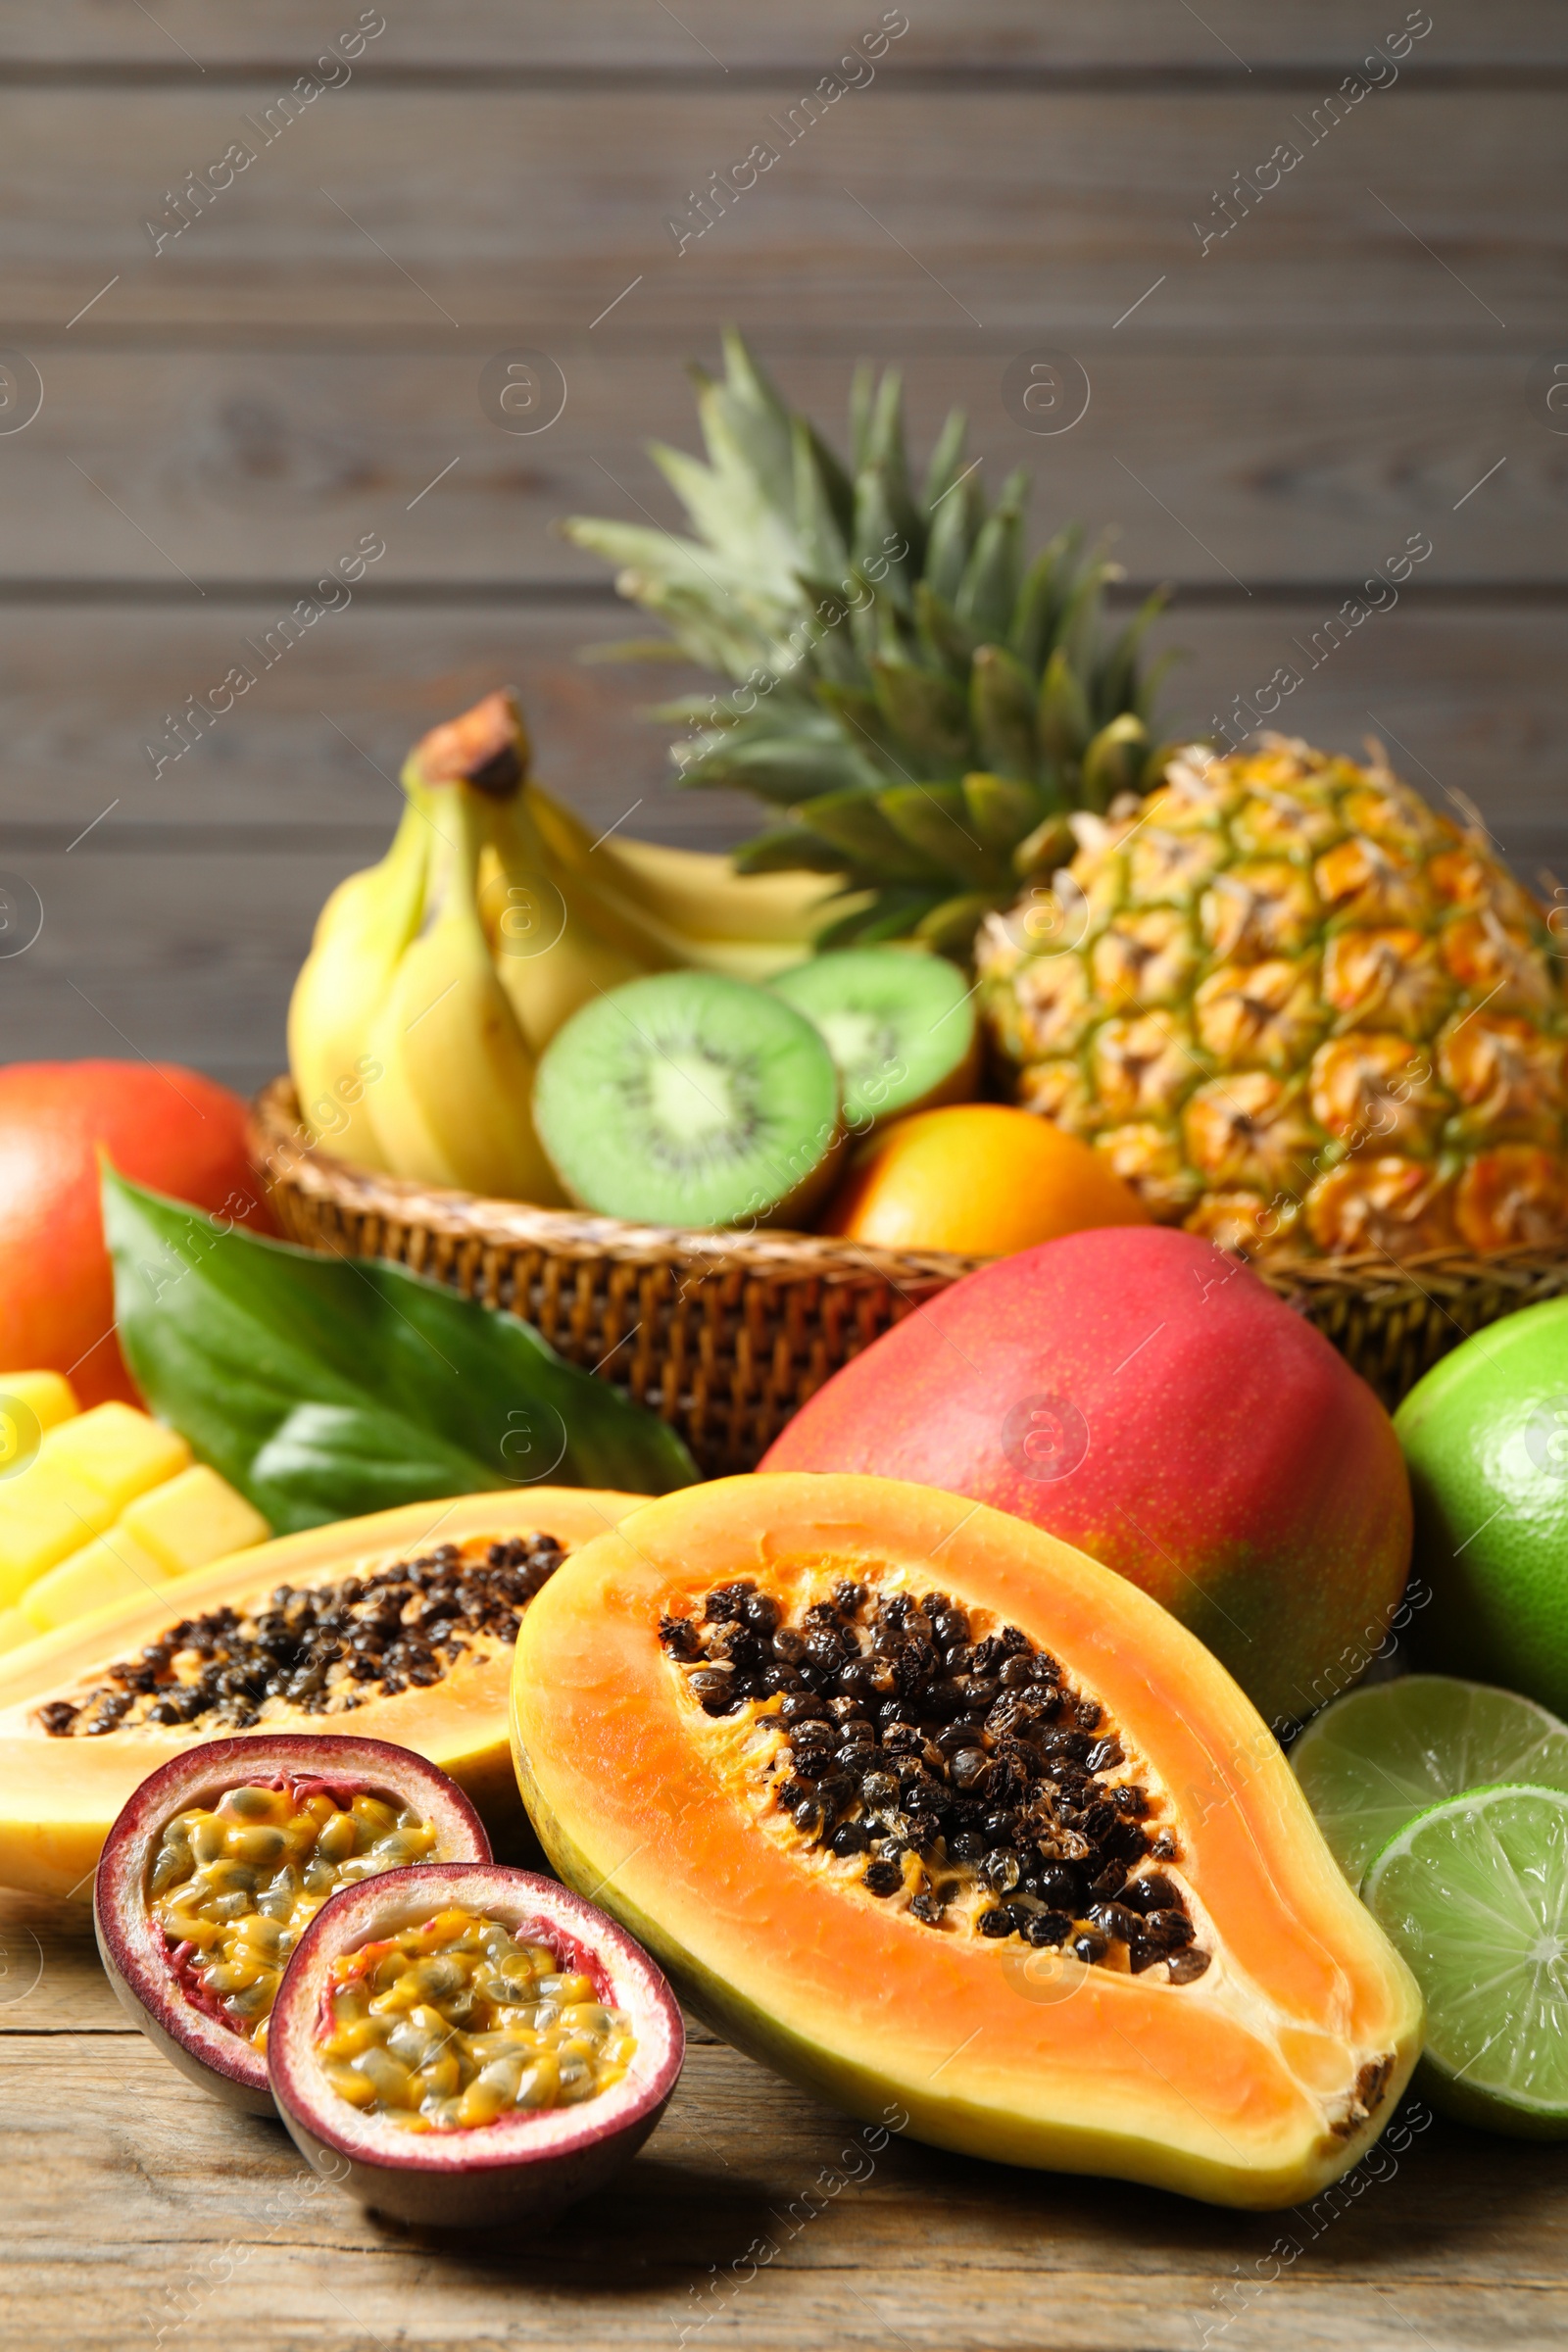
(1296, 1010)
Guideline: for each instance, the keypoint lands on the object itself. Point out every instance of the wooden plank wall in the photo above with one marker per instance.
(1363, 357)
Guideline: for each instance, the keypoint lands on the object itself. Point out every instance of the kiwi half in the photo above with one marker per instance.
(899, 1023)
(687, 1099)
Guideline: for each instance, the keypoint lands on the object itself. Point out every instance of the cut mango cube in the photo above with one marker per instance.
(119, 1450)
(112, 1568)
(30, 1403)
(45, 1513)
(97, 1506)
(196, 1518)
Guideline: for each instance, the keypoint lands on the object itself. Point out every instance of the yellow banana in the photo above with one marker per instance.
(360, 935)
(454, 1104)
(549, 957)
(691, 894)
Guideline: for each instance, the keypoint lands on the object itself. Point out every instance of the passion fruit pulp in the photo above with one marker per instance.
(222, 1858)
(463, 2045)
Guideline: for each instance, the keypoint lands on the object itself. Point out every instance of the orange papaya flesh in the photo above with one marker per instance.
(61, 1790)
(1255, 2082)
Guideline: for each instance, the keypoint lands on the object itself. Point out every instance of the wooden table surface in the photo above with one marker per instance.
(137, 2211)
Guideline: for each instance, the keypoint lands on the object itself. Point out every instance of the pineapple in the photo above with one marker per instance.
(920, 707)
(1296, 1009)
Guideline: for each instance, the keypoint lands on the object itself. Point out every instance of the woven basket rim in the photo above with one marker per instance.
(280, 1147)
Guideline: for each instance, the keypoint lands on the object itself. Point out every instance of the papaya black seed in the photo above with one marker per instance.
(1153, 1891)
(1168, 1931)
(1188, 1966)
(979, 1752)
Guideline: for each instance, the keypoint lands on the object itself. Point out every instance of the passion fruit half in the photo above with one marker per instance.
(464, 2044)
(221, 1859)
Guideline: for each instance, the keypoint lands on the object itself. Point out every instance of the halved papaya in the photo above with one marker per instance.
(397, 1627)
(930, 1812)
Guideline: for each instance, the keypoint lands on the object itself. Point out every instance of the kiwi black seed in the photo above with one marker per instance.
(687, 1098)
(898, 1022)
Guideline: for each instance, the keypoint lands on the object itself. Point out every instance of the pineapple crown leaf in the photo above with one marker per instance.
(925, 696)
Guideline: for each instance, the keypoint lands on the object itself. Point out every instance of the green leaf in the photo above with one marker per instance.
(783, 769)
(950, 927)
(1115, 686)
(1001, 808)
(1065, 723)
(988, 590)
(944, 640)
(892, 914)
(856, 825)
(886, 533)
(789, 849)
(1002, 712)
(934, 819)
(1047, 586)
(820, 525)
(326, 1386)
(1114, 762)
(955, 522)
(947, 459)
(863, 725)
(929, 715)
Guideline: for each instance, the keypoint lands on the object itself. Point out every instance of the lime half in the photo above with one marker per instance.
(1475, 1896)
(1374, 1760)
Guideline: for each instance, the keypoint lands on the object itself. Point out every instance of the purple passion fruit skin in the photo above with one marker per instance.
(219, 1861)
(464, 2044)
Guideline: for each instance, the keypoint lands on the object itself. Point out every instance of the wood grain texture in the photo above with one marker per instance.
(139, 2209)
(713, 36)
(1002, 207)
(239, 466)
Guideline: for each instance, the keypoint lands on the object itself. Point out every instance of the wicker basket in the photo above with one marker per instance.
(726, 1333)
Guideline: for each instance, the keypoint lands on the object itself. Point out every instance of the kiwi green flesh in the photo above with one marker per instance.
(687, 1098)
(899, 1023)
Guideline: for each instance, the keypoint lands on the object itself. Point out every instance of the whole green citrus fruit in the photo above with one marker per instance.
(1485, 1438)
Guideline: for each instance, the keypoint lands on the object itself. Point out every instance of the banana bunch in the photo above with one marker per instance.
(437, 977)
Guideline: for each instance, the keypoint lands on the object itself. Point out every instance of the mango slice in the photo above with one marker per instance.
(47, 1396)
(192, 1520)
(119, 1450)
(98, 1509)
(46, 1513)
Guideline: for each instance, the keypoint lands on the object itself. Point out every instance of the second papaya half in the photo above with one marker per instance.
(923, 1807)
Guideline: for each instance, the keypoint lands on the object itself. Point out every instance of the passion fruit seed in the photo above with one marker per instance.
(319, 1649)
(234, 1885)
(448, 2026)
(966, 1776)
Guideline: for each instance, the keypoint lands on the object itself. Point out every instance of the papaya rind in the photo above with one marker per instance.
(844, 2054)
(59, 1798)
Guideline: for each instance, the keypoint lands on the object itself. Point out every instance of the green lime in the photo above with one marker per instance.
(1475, 1896)
(1374, 1760)
(1485, 1439)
